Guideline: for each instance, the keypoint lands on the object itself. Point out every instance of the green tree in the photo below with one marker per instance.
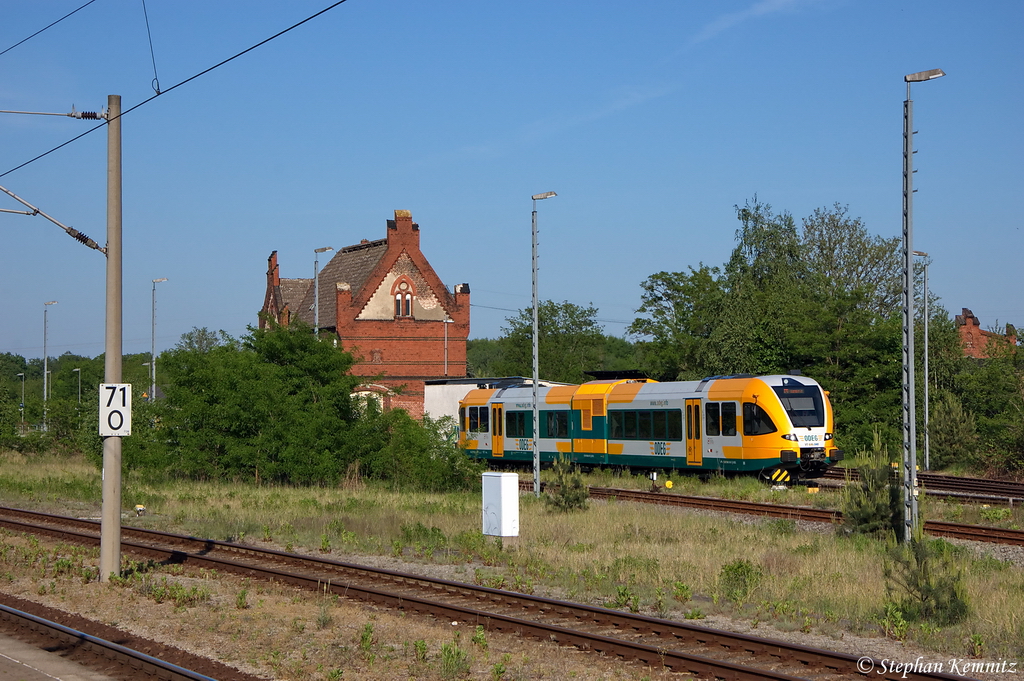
(570, 341)
(953, 436)
(203, 340)
(680, 312)
(482, 355)
(845, 258)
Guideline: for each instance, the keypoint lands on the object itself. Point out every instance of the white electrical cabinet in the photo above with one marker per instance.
(501, 504)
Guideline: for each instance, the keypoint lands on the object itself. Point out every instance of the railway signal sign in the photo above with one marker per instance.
(115, 409)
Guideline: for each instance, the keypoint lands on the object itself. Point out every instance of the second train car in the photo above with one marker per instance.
(778, 427)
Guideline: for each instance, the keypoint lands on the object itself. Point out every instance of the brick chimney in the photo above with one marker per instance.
(403, 232)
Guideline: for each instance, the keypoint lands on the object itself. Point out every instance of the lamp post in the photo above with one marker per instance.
(79, 372)
(21, 408)
(316, 288)
(46, 363)
(152, 349)
(910, 515)
(927, 458)
(536, 372)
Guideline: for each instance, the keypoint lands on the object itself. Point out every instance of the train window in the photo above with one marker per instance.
(478, 420)
(518, 423)
(756, 420)
(712, 418)
(556, 424)
(615, 425)
(675, 425)
(802, 403)
(728, 418)
(462, 418)
(652, 424)
(644, 427)
(689, 422)
(696, 421)
(629, 425)
(659, 425)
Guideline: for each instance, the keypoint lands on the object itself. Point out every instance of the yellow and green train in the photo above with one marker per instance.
(778, 427)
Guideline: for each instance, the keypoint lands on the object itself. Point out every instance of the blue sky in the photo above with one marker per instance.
(650, 120)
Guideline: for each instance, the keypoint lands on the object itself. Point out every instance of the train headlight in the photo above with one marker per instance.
(828, 436)
(789, 436)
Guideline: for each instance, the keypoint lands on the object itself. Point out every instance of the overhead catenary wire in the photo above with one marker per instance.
(46, 27)
(175, 86)
(152, 54)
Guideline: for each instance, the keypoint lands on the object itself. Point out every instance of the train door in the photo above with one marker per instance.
(497, 429)
(694, 450)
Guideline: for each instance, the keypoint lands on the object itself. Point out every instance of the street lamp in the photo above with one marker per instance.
(152, 349)
(22, 407)
(46, 363)
(927, 458)
(536, 372)
(910, 517)
(316, 289)
(79, 372)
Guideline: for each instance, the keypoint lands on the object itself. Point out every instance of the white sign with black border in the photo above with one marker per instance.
(115, 409)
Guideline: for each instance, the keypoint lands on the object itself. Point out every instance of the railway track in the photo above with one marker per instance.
(983, 533)
(1004, 491)
(98, 654)
(678, 646)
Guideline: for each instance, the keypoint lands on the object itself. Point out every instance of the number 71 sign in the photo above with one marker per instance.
(115, 409)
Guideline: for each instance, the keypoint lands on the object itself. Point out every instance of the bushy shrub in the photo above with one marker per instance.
(738, 579)
(872, 504)
(569, 493)
(953, 434)
(923, 581)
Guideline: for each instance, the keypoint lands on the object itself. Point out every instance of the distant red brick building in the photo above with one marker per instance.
(978, 343)
(388, 308)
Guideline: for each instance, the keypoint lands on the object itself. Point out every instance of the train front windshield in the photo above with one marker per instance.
(802, 403)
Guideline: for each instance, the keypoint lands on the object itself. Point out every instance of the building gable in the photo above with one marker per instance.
(403, 279)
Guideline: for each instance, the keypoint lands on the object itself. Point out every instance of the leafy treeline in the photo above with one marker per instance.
(822, 297)
(275, 406)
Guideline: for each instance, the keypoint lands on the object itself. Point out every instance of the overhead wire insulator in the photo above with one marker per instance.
(83, 238)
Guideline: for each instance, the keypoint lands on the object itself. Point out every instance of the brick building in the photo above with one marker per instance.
(387, 307)
(976, 341)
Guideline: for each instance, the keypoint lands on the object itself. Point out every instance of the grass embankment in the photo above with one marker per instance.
(654, 559)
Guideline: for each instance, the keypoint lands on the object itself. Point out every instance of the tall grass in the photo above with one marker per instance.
(632, 554)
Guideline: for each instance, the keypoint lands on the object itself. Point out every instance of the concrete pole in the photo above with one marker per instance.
(46, 366)
(927, 462)
(909, 398)
(110, 523)
(536, 368)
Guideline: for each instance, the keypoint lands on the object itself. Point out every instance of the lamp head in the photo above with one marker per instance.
(921, 253)
(322, 250)
(52, 302)
(157, 281)
(545, 195)
(922, 76)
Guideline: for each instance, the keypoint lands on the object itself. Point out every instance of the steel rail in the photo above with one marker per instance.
(199, 552)
(995, 535)
(137, 663)
(933, 483)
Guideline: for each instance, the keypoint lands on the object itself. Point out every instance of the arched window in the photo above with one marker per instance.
(404, 294)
